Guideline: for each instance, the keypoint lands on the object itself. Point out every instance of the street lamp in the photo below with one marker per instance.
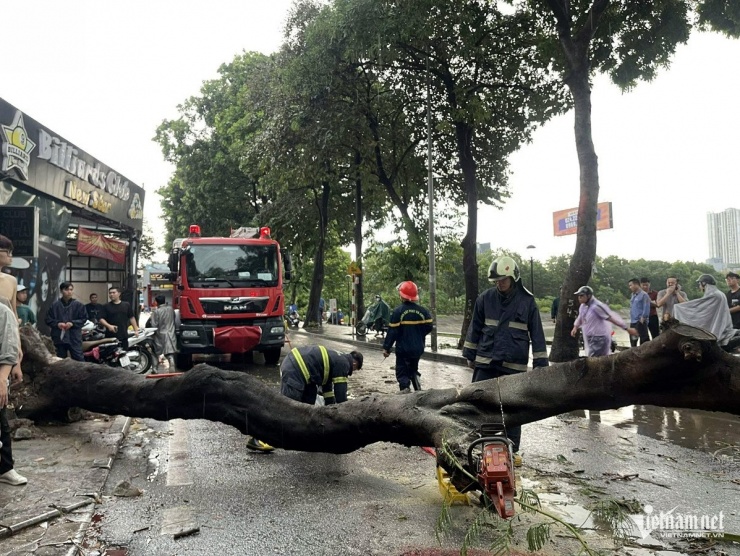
(531, 268)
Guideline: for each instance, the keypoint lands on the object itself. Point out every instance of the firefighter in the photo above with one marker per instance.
(308, 368)
(410, 323)
(505, 320)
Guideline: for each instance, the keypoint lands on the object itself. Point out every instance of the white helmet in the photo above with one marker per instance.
(503, 267)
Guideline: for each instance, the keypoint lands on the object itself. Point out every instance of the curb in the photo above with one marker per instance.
(122, 424)
(113, 438)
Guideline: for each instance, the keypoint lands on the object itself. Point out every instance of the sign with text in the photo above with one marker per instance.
(565, 222)
(21, 226)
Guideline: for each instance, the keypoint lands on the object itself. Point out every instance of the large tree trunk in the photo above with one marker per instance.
(683, 367)
(317, 283)
(464, 134)
(576, 55)
(359, 289)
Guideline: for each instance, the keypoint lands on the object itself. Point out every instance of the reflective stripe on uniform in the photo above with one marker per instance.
(304, 368)
(301, 364)
(539, 355)
(491, 322)
(518, 325)
(328, 394)
(470, 345)
(514, 366)
(483, 360)
(339, 380)
(325, 357)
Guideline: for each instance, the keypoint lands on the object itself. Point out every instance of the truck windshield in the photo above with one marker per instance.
(224, 266)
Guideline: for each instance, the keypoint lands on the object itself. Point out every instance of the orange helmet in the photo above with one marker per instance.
(408, 290)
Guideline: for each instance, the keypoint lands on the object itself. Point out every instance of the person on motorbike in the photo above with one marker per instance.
(379, 315)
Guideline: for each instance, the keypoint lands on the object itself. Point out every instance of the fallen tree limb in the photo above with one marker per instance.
(683, 367)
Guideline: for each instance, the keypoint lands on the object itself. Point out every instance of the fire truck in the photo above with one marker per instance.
(228, 294)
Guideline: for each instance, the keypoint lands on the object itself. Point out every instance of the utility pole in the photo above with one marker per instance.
(432, 265)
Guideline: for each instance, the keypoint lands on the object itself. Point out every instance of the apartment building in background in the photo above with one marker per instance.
(723, 232)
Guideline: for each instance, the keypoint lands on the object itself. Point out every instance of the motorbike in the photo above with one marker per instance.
(96, 348)
(292, 319)
(141, 350)
(364, 326)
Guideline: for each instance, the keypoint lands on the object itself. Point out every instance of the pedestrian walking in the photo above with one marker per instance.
(595, 319)
(408, 327)
(65, 318)
(165, 341)
(506, 321)
(307, 369)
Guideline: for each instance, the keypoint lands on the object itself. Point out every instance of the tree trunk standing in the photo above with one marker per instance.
(464, 135)
(576, 51)
(683, 367)
(359, 289)
(317, 283)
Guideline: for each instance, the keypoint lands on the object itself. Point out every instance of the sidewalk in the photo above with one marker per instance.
(66, 466)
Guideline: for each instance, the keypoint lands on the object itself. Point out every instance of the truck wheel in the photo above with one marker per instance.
(272, 356)
(361, 329)
(184, 361)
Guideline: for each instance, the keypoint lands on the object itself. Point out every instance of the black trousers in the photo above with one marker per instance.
(6, 452)
(75, 352)
(407, 369)
(642, 331)
(654, 326)
(495, 370)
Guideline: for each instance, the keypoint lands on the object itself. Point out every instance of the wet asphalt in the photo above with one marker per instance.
(198, 479)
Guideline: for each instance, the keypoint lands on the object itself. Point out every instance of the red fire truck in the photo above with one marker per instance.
(228, 294)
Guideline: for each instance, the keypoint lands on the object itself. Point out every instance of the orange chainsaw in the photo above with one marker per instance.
(495, 467)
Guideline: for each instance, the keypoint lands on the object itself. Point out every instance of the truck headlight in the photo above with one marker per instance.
(277, 329)
(189, 333)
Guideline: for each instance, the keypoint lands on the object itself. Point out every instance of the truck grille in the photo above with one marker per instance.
(234, 307)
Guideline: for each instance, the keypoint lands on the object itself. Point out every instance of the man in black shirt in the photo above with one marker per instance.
(116, 317)
(94, 309)
(733, 297)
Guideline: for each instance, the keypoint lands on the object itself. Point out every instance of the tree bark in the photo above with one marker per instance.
(464, 136)
(578, 67)
(317, 283)
(683, 367)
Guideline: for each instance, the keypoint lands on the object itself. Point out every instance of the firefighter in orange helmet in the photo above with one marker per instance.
(410, 323)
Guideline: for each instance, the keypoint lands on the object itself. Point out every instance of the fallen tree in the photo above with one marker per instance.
(684, 367)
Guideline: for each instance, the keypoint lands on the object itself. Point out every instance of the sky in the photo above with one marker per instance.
(103, 75)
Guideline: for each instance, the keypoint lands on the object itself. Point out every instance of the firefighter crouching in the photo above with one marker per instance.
(307, 368)
(505, 320)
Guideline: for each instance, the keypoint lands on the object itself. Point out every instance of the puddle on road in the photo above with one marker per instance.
(561, 505)
(688, 428)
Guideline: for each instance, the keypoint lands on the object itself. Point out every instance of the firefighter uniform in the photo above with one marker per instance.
(499, 337)
(410, 323)
(307, 368)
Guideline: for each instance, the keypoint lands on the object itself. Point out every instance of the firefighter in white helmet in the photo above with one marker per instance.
(505, 322)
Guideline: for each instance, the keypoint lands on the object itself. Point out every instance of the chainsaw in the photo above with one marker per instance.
(494, 463)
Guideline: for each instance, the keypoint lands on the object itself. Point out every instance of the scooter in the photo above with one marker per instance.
(96, 348)
(140, 350)
(364, 326)
(293, 319)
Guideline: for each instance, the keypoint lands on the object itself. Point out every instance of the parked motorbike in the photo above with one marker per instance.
(365, 326)
(293, 319)
(96, 348)
(141, 350)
